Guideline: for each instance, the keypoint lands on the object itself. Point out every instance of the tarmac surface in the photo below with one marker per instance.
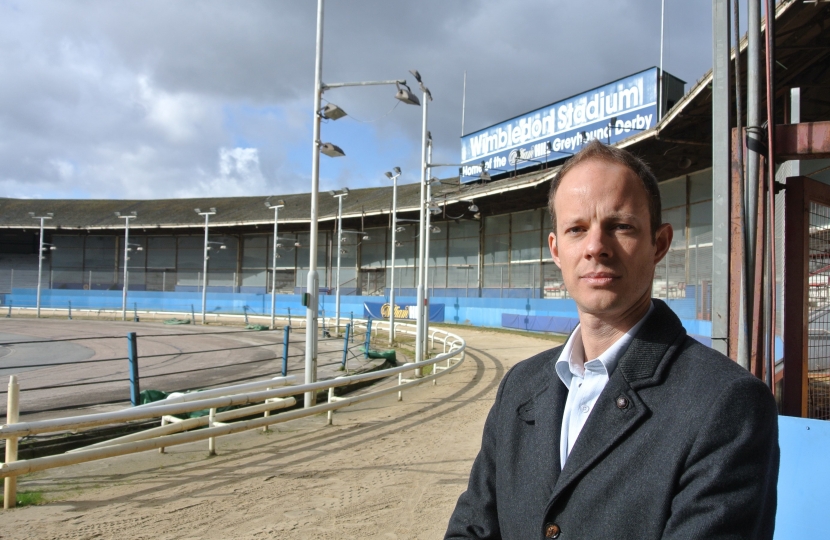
(385, 469)
(91, 374)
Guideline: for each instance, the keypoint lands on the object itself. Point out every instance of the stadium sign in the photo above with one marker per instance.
(558, 130)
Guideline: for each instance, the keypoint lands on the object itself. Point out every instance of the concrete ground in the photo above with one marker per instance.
(385, 469)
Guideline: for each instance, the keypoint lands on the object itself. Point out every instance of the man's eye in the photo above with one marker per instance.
(623, 226)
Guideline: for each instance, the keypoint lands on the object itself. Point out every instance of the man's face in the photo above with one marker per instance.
(603, 241)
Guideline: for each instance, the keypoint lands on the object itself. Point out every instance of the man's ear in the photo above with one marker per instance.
(662, 241)
(554, 249)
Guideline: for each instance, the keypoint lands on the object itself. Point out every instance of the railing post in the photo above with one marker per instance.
(368, 337)
(9, 314)
(135, 311)
(289, 317)
(346, 343)
(70, 309)
(132, 355)
(286, 331)
(212, 440)
(351, 321)
(245, 311)
(12, 415)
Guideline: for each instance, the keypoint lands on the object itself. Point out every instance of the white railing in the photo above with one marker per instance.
(271, 395)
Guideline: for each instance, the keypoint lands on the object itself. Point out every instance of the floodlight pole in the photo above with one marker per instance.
(205, 266)
(276, 209)
(312, 288)
(419, 338)
(126, 219)
(310, 398)
(339, 247)
(40, 260)
(394, 178)
(427, 231)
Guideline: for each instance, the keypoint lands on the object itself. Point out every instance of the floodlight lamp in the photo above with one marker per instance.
(477, 215)
(223, 246)
(400, 229)
(52, 248)
(484, 176)
(436, 229)
(472, 207)
(398, 244)
(434, 210)
(268, 204)
(279, 245)
(344, 251)
(32, 214)
(346, 190)
(197, 210)
(612, 122)
(213, 209)
(332, 112)
(366, 237)
(331, 150)
(405, 95)
(584, 136)
(332, 192)
(684, 162)
(117, 214)
(134, 213)
(388, 175)
(396, 170)
(297, 244)
(50, 214)
(344, 239)
(415, 74)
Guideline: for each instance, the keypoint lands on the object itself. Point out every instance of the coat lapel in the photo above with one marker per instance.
(619, 409)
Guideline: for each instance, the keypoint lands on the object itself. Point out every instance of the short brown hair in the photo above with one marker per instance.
(597, 150)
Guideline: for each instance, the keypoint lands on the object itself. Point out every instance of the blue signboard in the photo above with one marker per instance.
(559, 130)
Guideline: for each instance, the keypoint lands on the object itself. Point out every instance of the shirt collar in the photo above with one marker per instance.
(570, 363)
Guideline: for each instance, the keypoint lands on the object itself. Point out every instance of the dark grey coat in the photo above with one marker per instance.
(682, 443)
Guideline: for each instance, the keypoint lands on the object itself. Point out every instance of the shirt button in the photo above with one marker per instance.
(552, 530)
(585, 408)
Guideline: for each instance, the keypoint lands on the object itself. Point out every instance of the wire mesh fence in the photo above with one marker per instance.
(818, 295)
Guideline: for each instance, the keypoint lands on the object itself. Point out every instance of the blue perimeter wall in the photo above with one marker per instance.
(558, 315)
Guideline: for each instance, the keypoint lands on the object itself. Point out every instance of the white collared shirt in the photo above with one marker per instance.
(586, 381)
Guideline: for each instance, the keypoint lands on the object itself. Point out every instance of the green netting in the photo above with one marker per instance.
(256, 327)
(177, 321)
(387, 354)
(151, 396)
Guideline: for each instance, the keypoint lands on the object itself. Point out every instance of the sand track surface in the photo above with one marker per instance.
(385, 469)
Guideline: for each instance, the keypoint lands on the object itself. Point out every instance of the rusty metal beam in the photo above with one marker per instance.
(807, 140)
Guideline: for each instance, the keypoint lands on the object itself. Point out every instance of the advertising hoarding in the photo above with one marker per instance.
(559, 130)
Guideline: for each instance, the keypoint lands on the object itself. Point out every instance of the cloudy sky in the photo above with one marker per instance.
(163, 98)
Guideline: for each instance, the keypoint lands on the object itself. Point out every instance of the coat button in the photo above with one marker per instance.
(552, 530)
(622, 402)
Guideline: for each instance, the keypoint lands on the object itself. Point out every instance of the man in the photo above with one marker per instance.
(631, 429)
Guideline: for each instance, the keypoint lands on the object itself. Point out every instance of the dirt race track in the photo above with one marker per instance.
(385, 469)
(81, 375)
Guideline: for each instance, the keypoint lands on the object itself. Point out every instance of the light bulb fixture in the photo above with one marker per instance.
(366, 237)
(331, 150)
(344, 251)
(472, 207)
(400, 229)
(297, 244)
(332, 112)
(398, 244)
(405, 95)
(436, 229)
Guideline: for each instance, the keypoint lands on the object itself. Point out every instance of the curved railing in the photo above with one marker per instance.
(259, 397)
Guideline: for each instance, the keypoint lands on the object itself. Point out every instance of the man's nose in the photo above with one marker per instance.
(597, 243)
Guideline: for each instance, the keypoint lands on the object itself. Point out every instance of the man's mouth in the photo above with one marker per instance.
(599, 278)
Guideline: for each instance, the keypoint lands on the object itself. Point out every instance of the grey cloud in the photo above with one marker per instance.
(134, 98)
